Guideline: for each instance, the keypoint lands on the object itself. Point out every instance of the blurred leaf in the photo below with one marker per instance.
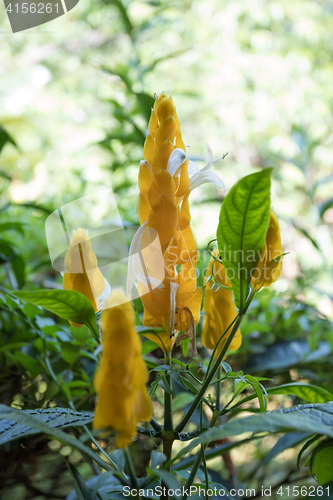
(284, 354)
(242, 229)
(323, 464)
(105, 483)
(82, 491)
(146, 102)
(5, 138)
(18, 267)
(15, 423)
(156, 459)
(15, 226)
(289, 440)
(305, 233)
(69, 352)
(31, 365)
(325, 206)
(67, 304)
(182, 399)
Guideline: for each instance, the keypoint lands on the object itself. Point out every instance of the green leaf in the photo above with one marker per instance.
(69, 352)
(182, 399)
(309, 392)
(289, 440)
(70, 305)
(30, 364)
(302, 418)
(46, 421)
(323, 465)
(284, 354)
(53, 417)
(241, 233)
(5, 138)
(82, 491)
(18, 266)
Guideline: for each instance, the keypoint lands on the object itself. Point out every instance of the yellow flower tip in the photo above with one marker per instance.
(269, 267)
(120, 380)
(81, 269)
(219, 309)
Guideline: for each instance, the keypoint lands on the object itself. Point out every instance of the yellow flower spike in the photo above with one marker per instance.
(120, 381)
(81, 269)
(219, 309)
(165, 185)
(269, 270)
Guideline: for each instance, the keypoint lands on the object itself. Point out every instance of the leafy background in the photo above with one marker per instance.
(251, 79)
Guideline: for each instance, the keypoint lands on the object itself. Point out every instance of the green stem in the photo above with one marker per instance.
(218, 388)
(216, 365)
(194, 470)
(130, 468)
(168, 421)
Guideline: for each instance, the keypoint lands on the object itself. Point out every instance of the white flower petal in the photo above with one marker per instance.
(209, 158)
(203, 177)
(192, 167)
(176, 160)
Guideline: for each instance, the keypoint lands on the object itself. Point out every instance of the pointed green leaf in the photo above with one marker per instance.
(53, 417)
(241, 233)
(35, 421)
(82, 491)
(67, 304)
(323, 465)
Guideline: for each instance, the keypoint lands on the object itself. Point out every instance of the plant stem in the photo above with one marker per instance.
(194, 470)
(216, 365)
(218, 388)
(168, 421)
(167, 434)
(130, 468)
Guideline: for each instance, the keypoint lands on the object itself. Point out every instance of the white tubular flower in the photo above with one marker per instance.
(202, 175)
(198, 175)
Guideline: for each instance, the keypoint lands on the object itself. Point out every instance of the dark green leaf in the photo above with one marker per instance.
(51, 417)
(242, 229)
(5, 138)
(18, 267)
(323, 465)
(30, 364)
(284, 354)
(289, 440)
(67, 304)
(82, 491)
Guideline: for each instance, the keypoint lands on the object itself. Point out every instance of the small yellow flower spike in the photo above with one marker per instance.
(81, 269)
(164, 185)
(219, 309)
(120, 381)
(269, 270)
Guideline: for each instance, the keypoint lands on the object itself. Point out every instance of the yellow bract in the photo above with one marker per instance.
(81, 269)
(219, 309)
(269, 270)
(120, 381)
(164, 207)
